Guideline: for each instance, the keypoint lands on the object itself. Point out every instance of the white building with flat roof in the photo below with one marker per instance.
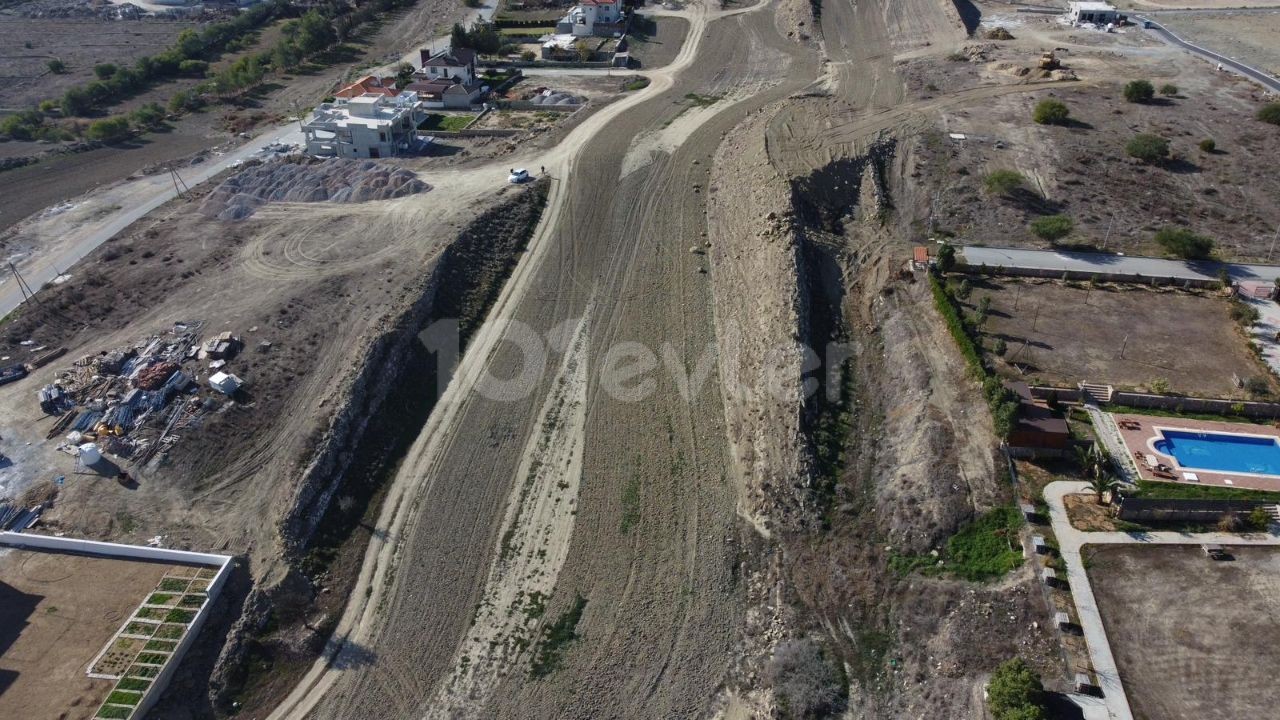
(368, 126)
(1098, 13)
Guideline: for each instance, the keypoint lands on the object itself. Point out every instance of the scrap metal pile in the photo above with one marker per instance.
(133, 401)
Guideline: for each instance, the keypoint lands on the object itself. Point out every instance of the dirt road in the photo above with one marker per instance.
(654, 540)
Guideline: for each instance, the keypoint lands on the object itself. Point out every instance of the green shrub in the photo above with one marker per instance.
(946, 258)
(1003, 182)
(1183, 243)
(180, 616)
(1148, 148)
(988, 547)
(56, 66)
(1208, 145)
(1052, 227)
(951, 317)
(1168, 89)
(137, 684)
(528, 56)
(1050, 112)
(1270, 113)
(104, 71)
(109, 130)
(113, 712)
(1016, 692)
(1139, 91)
(1000, 347)
(1259, 519)
(148, 116)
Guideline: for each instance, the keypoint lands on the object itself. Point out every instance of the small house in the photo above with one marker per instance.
(443, 93)
(1098, 13)
(368, 85)
(1037, 427)
(592, 18)
(457, 65)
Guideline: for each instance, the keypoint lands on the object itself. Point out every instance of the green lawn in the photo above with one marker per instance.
(985, 549)
(440, 121)
(536, 31)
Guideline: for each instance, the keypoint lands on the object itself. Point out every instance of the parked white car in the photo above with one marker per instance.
(518, 176)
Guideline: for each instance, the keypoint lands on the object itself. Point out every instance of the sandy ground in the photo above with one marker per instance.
(58, 611)
(1081, 170)
(1192, 638)
(1199, 4)
(1247, 37)
(1163, 335)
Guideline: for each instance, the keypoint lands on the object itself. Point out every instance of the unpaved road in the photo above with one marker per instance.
(655, 538)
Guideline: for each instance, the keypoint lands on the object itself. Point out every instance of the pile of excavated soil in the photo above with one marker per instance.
(308, 180)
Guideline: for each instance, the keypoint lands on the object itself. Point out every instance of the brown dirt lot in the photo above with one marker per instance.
(1061, 334)
(1081, 170)
(57, 611)
(1193, 638)
(81, 43)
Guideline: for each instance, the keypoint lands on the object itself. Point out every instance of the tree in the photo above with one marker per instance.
(1148, 148)
(1052, 227)
(1207, 145)
(1103, 484)
(104, 70)
(1003, 182)
(1168, 89)
(1004, 417)
(185, 101)
(315, 33)
(946, 259)
(56, 66)
(1139, 91)
(193, 68)
(76, 101)
(109, 130)
(965, 287)
(458, 38)
(528, 56)
(1015, 692)
(1000, 347)
(1183, 243)
(1050, 112)
(1269, 113)
(148, 116)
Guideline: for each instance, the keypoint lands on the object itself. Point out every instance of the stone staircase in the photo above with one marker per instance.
(1273, 511)
(1099, 392)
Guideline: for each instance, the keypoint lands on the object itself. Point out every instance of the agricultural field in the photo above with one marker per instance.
(1128, 336)
(1193, 639)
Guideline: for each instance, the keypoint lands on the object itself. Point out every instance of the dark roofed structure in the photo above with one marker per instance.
(1037, 426)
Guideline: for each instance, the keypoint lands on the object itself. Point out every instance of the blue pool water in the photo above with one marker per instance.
(1221, 452)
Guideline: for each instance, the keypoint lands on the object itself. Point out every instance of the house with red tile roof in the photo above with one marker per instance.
(369, 85)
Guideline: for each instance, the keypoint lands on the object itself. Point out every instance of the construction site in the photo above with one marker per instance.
(669, 430)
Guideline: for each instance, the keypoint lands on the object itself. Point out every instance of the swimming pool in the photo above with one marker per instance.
(1222, 452)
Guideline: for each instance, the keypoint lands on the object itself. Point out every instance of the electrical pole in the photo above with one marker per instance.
(27, 292)
(1273, 243)
(1107, 237)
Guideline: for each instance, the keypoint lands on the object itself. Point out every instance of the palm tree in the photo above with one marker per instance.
(1103, 484)
(1093, 460)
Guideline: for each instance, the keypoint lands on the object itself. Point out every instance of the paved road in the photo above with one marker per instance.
(1145, 267)
(147, 194)
(1240, 68)
(1070, 540)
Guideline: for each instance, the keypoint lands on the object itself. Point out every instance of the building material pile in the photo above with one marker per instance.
(131, 400)
(308, 179)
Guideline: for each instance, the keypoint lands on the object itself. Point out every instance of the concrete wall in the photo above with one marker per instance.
(1085, 275)
(1172, 403)
(138, 552)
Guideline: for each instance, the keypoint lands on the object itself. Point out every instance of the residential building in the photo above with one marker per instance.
(1037, 428)
(448, 64)
(1098, 13)
(368, 85)
(368, 126)
(589, 18)
(445, 94)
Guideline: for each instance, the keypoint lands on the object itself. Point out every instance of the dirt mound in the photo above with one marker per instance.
(999, 34)
(308, 180)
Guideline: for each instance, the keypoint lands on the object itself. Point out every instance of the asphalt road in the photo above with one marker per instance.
(1145, 267)
(1240, 68)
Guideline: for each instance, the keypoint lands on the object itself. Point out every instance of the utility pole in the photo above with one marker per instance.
(179, 185)
(1107, 237)
(1273, 243)
(1123, 345)
(27, 292)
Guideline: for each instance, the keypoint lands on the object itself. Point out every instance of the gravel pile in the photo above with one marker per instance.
(308, 180)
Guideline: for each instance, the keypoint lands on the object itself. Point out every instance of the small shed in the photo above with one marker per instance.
(225, 383)
(1037, 427)
(920, 258)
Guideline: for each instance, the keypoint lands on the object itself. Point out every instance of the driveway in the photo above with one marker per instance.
(1266, 330)
(1146, 267)
(1071, 540)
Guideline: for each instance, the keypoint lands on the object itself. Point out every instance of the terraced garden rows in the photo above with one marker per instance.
(147, 641)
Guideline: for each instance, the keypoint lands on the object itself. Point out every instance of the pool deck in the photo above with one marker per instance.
(1141, 438)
